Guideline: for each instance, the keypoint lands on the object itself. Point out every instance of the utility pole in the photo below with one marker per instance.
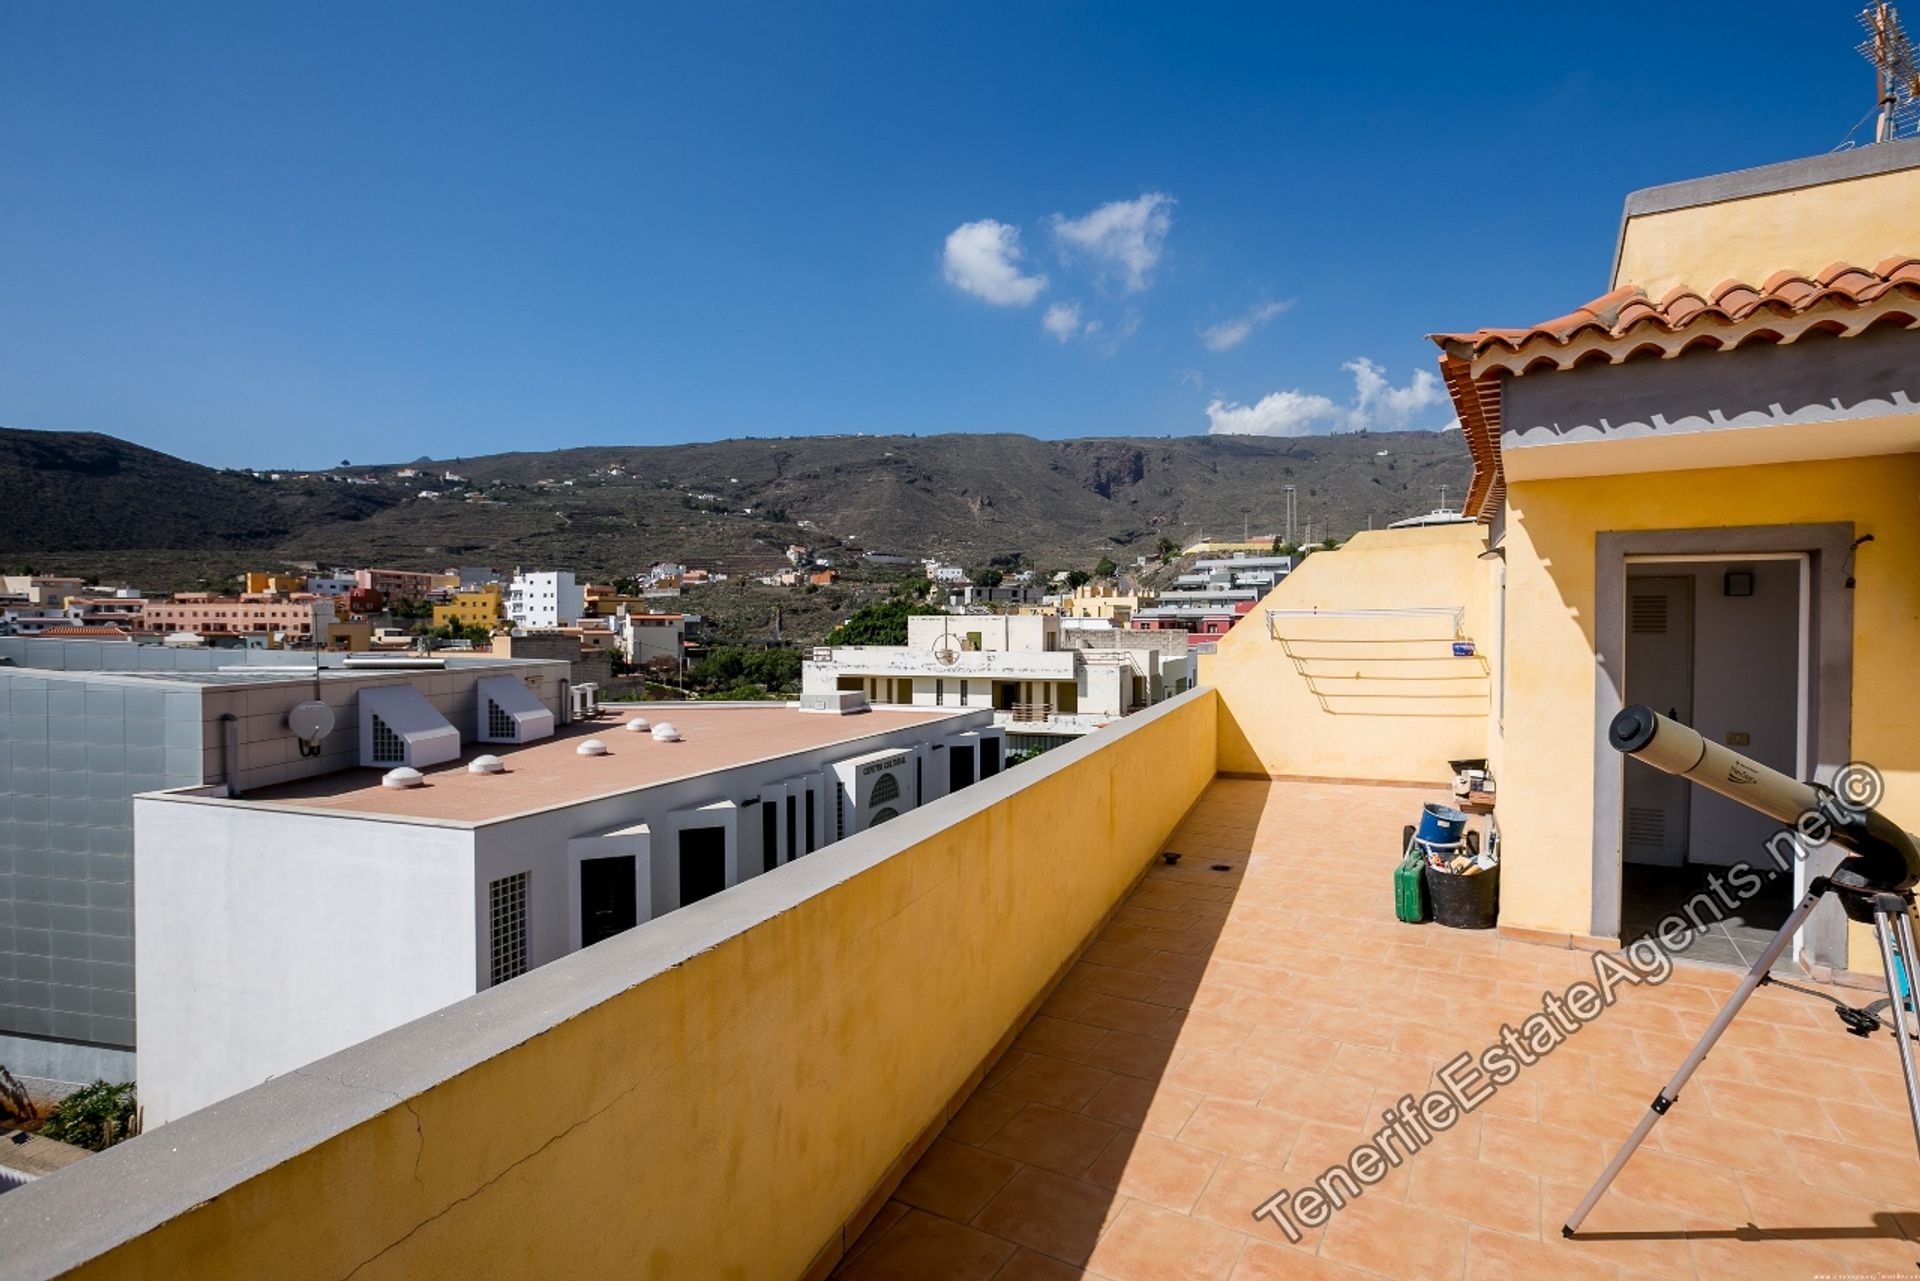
(1289, 489)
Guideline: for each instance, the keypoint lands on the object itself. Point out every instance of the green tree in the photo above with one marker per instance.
(988, 578)
(1106, 568)
(95, 1117)
(1078, 578)
(1328, 545)
(882, 623)
(1167, 549)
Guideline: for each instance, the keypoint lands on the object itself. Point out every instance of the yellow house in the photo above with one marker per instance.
(1700, 491)
(476, 607)
(1104, 599)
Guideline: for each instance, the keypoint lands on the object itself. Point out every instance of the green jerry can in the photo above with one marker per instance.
(1409, 883)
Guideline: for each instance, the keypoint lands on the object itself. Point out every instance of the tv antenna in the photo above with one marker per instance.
(1896, 79)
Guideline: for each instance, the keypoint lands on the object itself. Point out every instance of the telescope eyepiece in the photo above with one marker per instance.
(1633, 728)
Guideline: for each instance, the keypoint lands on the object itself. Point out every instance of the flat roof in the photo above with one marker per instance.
(550, 773)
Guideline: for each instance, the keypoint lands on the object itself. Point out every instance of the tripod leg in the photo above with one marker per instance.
(1892, 923)
(1671, 1091)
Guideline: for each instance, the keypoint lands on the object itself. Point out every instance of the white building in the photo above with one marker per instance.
(278, 927)
(647, 638)
(939, 573)
(1043, 683)
(548, 599)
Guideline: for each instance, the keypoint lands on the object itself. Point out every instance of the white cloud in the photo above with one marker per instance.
(1376, 405)
(1062, 320)
(983, 258)
(1123, 238)
(1231, 333)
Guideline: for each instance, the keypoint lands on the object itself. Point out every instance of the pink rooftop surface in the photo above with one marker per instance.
(551, 772)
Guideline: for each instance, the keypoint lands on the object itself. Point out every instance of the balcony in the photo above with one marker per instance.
(792, 1079)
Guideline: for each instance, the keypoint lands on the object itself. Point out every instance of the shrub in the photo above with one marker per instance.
(96, 1116)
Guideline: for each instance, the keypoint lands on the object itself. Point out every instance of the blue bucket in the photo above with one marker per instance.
(1441, 825)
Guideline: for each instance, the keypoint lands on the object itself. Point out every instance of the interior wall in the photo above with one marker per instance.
(1745, 680)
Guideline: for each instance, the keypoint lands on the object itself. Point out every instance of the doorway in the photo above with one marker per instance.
(1719, 645)
(608, 903)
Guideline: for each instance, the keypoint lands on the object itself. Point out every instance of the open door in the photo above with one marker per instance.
(1659, 674)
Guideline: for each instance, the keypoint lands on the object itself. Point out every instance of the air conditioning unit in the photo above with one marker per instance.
(509, 712)
(398, 726)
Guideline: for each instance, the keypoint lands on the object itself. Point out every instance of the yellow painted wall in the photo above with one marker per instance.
(285, 583)
(1401, 720)
(1546, 771)
(722, 1118)
(482, 607)
(1861, 221)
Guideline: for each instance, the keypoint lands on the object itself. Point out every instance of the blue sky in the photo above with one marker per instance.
(269, 234)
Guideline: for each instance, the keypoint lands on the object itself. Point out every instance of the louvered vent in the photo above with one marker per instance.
(1649, 615)
(886, 788)
(1646, 825)
(499, 724)
(387, 746)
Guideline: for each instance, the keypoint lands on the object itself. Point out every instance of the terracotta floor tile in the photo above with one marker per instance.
(1147, 1243)
(889, 1215)
(1149, 1168)
(955, 1180)
(1314, 1097)
(1064, 1142)
(1025, 1265)
(1131, 1054)
(1057, 1037)
(1114, 982)
(925, 1247)
(1055, 1082)
(1542, 1150)
(1692, 1187)
(1054, 1215)
(1501, 1256)
(1237, 1189)
(981, 1116)
(1123, 1015)
(1136, 1104)
(1264, 1261)
(1477, 1192)
(1221, 1076)
(1396, 1240)
(1241, 1130)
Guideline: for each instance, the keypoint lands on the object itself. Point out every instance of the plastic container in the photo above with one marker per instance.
(1441, 825)
(1409, 889)
(1464, 902)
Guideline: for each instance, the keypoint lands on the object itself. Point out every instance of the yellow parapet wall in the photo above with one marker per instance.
(720, 1093)
(1361, 693)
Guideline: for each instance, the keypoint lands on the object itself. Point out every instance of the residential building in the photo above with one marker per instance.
(258, 584)
(289, 619)
(1104, 598)
(1039, 684)
(483, 606)
(1002, 595)
(546, 599)
(651, 638)
(381, 905)
(124, 609)
(940, 573)
(403, 584)
(336, 585)
(585, 666)
(471, 577)
(91, 723)
(47, 591)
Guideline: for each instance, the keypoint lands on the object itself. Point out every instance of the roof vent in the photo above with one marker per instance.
(398, 726)
(509, 711)
(664, 732)
(405, 776)
(592, 747)
(638, 725)
(486, 765)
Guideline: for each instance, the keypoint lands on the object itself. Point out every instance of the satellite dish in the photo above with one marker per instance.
(945, 655)
(310, 721)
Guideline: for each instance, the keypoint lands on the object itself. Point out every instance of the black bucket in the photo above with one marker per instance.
(1464, 902)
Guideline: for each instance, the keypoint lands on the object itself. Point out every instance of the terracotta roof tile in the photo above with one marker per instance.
(1785, 293)
(1843, 298)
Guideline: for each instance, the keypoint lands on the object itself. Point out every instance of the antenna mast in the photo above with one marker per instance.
(1896, 78)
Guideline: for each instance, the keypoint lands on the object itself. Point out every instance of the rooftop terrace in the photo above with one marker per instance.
(550, 771)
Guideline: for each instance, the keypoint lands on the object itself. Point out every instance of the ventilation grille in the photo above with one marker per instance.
(387, 745)
(1649, 616)
(887, 788)
(507, 910)
(499, 724)
(1646, 825)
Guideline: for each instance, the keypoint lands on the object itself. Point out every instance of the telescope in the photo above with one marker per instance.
(1874, 883)
(1881, 856)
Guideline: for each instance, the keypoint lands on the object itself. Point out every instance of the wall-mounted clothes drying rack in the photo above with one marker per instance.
(1413, 661)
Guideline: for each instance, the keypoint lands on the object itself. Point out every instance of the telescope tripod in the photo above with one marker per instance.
(1890, 912)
